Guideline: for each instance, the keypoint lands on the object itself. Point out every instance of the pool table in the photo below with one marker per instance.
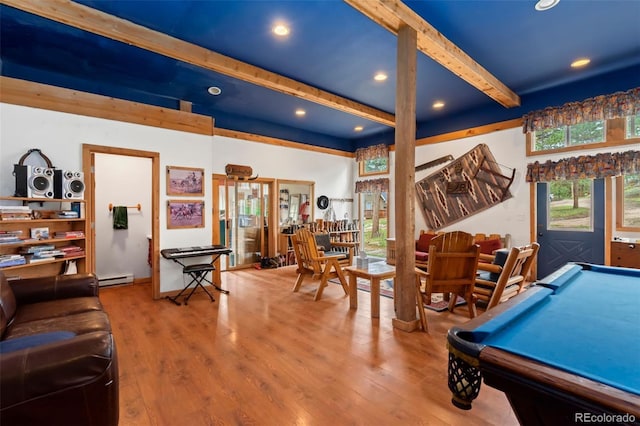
(566, 351)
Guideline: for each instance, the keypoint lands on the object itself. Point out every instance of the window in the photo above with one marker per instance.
(570, 205)
(377, 166)
(590, 135)
(633, 126)
(628, 203)
(561, 137)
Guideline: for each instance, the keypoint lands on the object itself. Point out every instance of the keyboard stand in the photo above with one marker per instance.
(197, 272)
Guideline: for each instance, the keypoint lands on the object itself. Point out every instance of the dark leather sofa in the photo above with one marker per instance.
(58, 362)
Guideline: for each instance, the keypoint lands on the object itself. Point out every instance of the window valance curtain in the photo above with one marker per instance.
(605, 107)
(585, 166)
(372, 185)
(372, 152)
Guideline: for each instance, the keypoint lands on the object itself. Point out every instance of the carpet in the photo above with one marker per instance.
(438, 304)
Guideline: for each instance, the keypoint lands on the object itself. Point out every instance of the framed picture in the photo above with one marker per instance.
(185, 214)
(185, 181)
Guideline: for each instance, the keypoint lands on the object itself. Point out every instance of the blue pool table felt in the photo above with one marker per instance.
(589, 326)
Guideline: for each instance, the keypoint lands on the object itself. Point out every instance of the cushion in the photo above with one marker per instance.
(31, 341)
(500, 259)
(323, 241)
(420, 255)
(489, 246)
(423, 242)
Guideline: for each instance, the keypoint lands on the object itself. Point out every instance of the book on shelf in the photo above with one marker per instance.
(71, 250)
(15, 216)
(37, 248)
(35, 259)
(8, 237)
(69, 234)
(15, 209)
(12, 260)
(67, 214)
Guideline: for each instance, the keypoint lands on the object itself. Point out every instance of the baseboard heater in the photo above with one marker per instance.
(118, 279)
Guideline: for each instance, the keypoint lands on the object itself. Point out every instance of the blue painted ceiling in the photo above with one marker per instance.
(335, 48)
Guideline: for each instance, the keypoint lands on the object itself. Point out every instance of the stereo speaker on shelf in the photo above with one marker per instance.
(68, 184)
(33, 181)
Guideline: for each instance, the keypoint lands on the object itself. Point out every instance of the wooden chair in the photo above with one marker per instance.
(499, 283)
(314, 263)
(451, 268)
(345, 250)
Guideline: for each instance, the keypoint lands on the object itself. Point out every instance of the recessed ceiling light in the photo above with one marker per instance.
(280, 30)
(214, 90)
(358, 128)
(578, 63)
(380, 76)
(300, 112)
(543, 5)
(438, 104)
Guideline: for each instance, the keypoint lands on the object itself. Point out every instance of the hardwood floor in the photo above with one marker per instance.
(264, 355)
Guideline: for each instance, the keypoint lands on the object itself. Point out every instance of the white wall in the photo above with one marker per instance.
(122, 181)
(60, 136)
(332, 174)
(510, 216)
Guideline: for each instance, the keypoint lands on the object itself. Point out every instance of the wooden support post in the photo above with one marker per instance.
(405, 140)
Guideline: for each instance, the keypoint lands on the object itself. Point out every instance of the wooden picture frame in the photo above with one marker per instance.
(185, 181)
(185, 214)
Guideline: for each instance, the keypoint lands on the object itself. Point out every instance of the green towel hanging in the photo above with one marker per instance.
(120, 217)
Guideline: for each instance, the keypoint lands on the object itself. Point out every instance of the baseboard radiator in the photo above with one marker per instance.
(117, 279)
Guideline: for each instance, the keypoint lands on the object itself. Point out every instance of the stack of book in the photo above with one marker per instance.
(67, 214)
(71, 251)
(10, 237)
(11, 260)
(41, 253)
(69, 234)
(15, 213)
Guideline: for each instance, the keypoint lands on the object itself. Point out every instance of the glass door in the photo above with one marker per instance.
(242, 212)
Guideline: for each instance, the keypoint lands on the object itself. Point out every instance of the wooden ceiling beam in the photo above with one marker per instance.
(97, 22)
(391, 14)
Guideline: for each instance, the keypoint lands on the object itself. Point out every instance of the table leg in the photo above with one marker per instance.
(353, 291)
(375, 297)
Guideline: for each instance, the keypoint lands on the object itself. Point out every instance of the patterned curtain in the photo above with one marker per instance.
(372, 185)
(585, 166)
(605, 107)
(372, 152)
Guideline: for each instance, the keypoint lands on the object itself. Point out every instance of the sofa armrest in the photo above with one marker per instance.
(41, 289)
(38, 371)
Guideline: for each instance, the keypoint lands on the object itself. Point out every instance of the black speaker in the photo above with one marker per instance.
(68, 184)
(33, 181)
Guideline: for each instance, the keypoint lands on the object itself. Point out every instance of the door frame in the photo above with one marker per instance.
(88, 161)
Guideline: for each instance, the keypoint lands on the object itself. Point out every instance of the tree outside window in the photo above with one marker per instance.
(376, 166)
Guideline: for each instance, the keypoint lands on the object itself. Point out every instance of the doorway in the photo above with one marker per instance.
(243, 220)
(89, 153)
(570, 223)
(375, 223)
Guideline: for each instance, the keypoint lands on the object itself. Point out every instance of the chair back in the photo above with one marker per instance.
(306, 251)
(453, 261)
(512, 276)
(451, 269)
